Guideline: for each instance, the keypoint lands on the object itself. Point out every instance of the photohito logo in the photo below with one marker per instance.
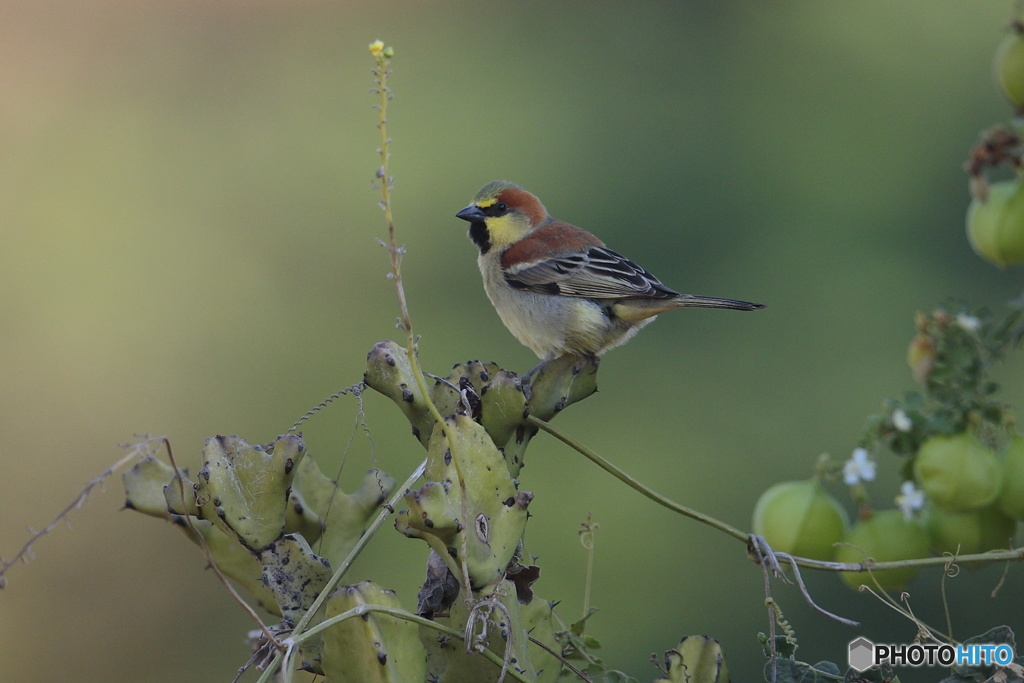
(864, 654)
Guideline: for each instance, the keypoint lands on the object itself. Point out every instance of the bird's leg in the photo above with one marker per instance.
(525, 379)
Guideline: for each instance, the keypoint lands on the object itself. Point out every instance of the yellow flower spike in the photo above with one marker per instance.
(377, 48)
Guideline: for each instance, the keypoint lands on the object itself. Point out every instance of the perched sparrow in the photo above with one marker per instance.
(557, 288)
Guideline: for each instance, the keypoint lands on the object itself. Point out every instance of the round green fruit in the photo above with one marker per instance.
(966, 533)
(958, 473)
(1008, 68)
(995, 224)
(884, 537)
(1011, 498)
(800, 518)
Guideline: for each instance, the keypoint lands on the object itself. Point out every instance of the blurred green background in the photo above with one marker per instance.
(188, 249)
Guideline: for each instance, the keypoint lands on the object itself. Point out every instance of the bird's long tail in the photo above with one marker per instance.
(695, 301)
(635, 310)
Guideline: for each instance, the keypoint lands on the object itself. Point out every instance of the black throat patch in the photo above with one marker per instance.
(480, 235)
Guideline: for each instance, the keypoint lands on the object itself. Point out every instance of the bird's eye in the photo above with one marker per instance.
(500, 208)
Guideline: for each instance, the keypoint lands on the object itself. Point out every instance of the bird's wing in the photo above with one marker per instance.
(593, 272)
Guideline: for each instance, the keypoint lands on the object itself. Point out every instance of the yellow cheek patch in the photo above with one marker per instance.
(504, 230)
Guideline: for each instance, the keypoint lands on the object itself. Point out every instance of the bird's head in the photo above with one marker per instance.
(501, 214)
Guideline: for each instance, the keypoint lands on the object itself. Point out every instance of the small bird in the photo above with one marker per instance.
(558, 289)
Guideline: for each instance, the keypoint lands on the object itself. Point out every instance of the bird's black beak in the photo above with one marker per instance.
(472, 213)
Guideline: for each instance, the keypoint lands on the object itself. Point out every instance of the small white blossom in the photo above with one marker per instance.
(968, 323)
(910, 499)
(901, 421)
(860, 467)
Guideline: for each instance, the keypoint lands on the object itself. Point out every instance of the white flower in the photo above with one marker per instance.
(900, 420)
(910, 499)
(968, 323)
(860, 467)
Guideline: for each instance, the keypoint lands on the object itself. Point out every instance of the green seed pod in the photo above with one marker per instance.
(561, 382)
(299, 517)
(800, 518)
(388, 372)
(696, 658)
(294, 574)
(176, 502)
(234, 561)
(372, 647)
(958, 473)
(995, 224)
(502, 407)
(343, 516)
(449, 660)
(144, 487)
(1008, 67)
(556, 385)
(885, 537)
(539, 621)
(244, 489)
(972, 532)
(1011, 498)
(463, 461)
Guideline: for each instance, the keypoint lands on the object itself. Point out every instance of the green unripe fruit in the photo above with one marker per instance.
(1011, 498)
(1008, 68)
(995, 224)
(958, 473)
(969, 532)
(885, 537)
(800, 518)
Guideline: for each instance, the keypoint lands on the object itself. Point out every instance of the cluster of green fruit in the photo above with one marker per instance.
(975, 499)
(995, 219)
(949, 433)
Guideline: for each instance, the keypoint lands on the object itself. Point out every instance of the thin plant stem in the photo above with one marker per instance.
(1016, 554)
(335, 579)
(382, 71)
(364, 610)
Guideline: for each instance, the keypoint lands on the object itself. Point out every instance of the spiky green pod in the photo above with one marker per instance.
(294, 574)
(561, 382)
(244, 489)
(152, 489)
(695, 659)
(144, 487)
(494, 628)
(300, 518)
(539, 623)
(374, 646)
(502, 407)
(556, 385)
(232, 559)
(180, 496)
(343, 516)
(485, 496)
(388, 372)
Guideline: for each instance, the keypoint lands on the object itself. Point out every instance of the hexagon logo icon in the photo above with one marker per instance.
(862, 654)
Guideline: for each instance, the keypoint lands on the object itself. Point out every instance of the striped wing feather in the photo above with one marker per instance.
(595, 273)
